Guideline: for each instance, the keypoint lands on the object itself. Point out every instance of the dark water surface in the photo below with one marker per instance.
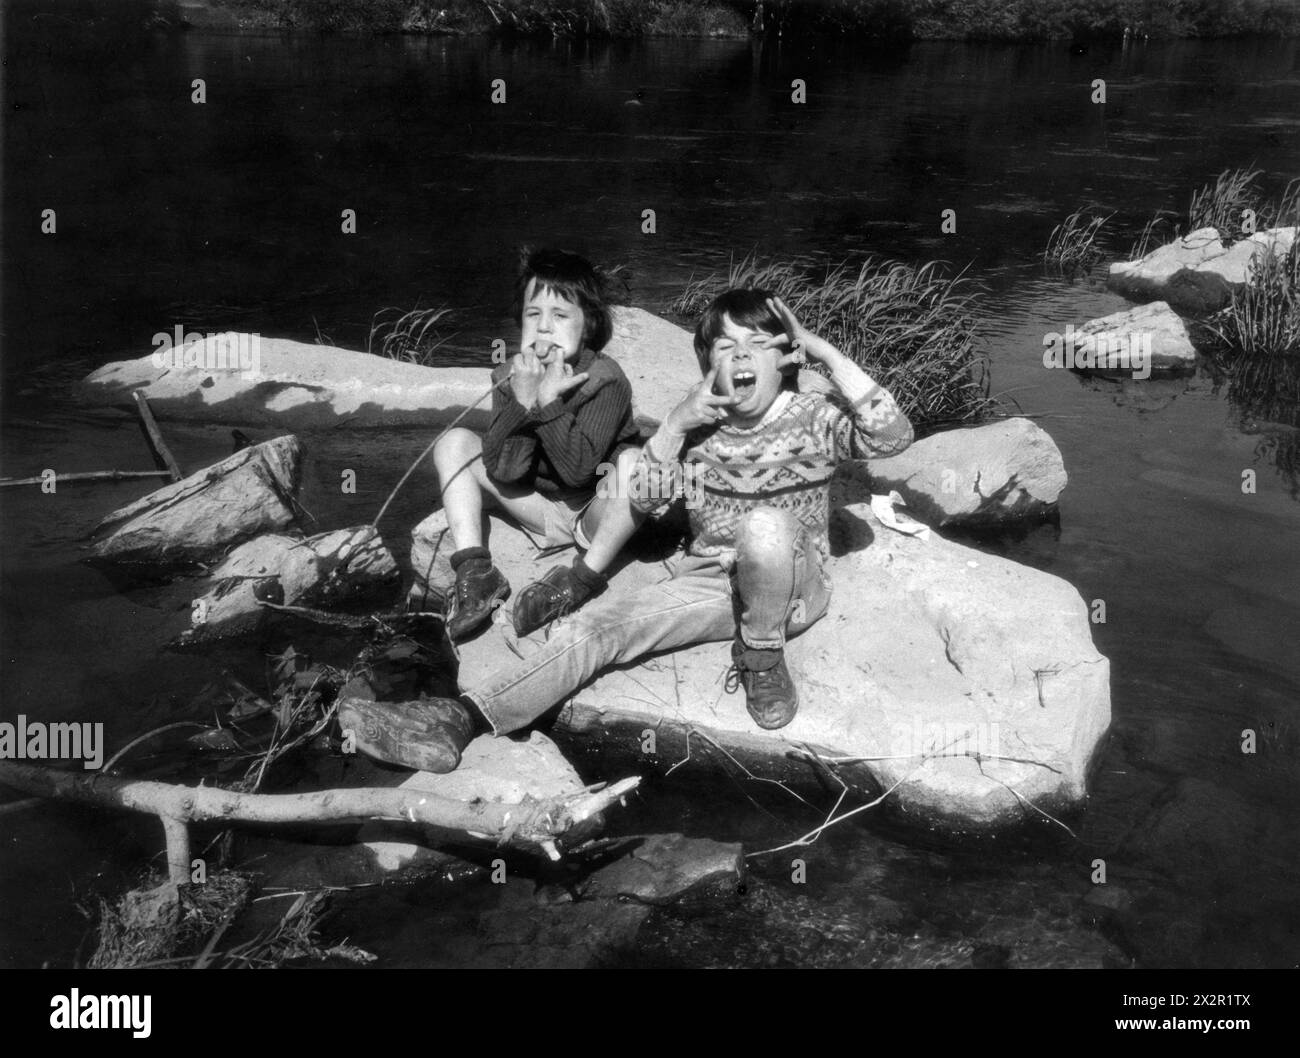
(226, 216)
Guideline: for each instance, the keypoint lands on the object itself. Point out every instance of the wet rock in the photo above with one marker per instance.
(664, 866)
(931, 653)
(1159, 333)
(1108, 897)
(197, 518)
(330, 569)
(1196, 273)
(975, 477)
(298, 385)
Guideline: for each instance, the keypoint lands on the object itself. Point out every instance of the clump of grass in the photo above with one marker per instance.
(1222, 205)
(1072, 246)
(912, 329)
(159, 923)
(1284, 211)
(1263, 320)
(412, 336)
(1160, 229)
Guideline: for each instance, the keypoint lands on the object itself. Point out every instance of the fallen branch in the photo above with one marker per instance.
(161, 453)
(532, 824)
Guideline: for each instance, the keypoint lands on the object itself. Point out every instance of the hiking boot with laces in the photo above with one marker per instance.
(556, 595)
(770, 694)
(479, 589)
(427, 734)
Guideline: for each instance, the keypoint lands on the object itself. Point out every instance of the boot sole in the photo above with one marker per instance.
(398, 733)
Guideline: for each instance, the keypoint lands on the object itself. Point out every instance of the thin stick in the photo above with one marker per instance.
(89, 475)
(161, 453)
(487, 393)
(145, 738)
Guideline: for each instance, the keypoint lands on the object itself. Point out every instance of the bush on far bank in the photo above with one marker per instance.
(1010, 20)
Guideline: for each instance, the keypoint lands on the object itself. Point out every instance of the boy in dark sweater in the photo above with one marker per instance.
(565, 411)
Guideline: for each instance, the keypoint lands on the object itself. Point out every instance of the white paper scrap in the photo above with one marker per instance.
(883, 508)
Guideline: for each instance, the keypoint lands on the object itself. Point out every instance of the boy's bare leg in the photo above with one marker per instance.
(610, 521)
(466, 489)
(458, 457)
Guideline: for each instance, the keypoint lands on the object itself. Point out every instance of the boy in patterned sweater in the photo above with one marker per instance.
(761, 455)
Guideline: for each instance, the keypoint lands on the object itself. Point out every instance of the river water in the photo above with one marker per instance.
(226, 215)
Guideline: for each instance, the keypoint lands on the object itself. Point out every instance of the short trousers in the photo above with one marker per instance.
(563, 523)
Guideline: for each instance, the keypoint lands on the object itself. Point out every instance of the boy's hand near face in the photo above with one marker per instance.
(526, 377)
(557, 379)
(701, 406)
(802, 341)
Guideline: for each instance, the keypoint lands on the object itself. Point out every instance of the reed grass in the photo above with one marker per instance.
(912, 329)
(1262, 322)
(1223, 203)
(1073, 244)
(412, 336)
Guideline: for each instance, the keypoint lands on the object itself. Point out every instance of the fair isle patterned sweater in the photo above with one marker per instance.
(784, 461)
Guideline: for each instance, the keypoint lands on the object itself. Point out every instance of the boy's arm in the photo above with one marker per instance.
(509, 444)
(874, 424)
(653, 484)
(578, 439)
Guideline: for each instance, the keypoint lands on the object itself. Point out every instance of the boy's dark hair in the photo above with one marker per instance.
(747, 307)
(573, 278)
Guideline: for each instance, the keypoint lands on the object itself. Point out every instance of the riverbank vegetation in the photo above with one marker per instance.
(912, 329)
(1008, 20)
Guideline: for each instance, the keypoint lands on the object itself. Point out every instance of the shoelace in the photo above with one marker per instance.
(736, 673)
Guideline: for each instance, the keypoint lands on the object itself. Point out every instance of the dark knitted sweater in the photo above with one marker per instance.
(557, 448)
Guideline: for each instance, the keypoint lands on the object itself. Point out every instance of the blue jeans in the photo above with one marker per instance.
(774, 586)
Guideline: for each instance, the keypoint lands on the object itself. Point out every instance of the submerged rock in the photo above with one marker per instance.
(329, 569)
(1196, 273)
(970, 681)
(661, 867)
(978, 476)
(189, 521)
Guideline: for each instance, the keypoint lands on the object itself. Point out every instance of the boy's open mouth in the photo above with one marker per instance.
(743, 383)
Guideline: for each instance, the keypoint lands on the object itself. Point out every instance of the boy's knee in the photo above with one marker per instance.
(766, 529)
(456, 447)
(457, 442)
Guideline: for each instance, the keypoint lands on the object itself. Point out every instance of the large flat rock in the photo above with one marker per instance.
(298, 385)
(1196, 273)
(931, 653)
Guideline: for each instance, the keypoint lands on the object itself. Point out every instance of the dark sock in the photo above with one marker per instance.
(586, 581)
(467, 553)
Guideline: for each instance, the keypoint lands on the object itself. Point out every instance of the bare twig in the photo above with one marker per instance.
(411, 470)
(161, 453)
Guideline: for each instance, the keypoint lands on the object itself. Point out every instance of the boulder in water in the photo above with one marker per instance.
(1198, 272)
